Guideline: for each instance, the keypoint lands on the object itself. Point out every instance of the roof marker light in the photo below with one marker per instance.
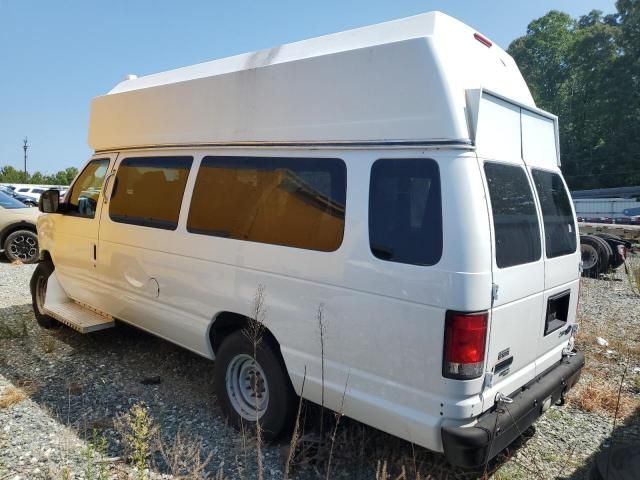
(483, 40)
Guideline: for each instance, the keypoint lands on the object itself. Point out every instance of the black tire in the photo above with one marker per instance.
(21, 246)
(609, 257)
(38, 286)
(280, 409)
(595, 258)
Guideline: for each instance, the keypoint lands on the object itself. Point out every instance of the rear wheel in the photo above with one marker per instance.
(595, 256)
(252, 390)
(38, 286)
(21, 246)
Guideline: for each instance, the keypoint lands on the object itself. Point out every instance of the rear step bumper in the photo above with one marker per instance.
(475, 446)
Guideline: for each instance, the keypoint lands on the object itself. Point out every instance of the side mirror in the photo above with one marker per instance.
(49, 201)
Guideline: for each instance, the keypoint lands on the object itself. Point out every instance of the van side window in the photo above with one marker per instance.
(83, 197)
(295, 202)
(559, 227)
(148, 191)
(515, 218)
(405, 211)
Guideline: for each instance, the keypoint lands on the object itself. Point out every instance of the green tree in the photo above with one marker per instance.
(8, 174)
(586, 71)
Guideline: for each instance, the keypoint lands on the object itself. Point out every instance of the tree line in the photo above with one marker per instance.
(8, 174)
(587, 71)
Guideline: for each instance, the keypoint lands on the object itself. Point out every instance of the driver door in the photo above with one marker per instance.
(75, 246)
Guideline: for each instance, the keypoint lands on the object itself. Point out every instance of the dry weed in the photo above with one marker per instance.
(184, 457)
(11, 396)
(600, 396)
(16, 393)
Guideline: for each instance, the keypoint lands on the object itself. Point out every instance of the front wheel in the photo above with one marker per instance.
(21, 246)
(252, 390)
(38, 286)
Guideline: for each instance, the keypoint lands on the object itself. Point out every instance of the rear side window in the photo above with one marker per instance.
(148, 191)
(559, 227)
(515, 219)
(405, 211)
(295, 202)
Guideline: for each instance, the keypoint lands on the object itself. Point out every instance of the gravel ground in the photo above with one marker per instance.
(79, 384)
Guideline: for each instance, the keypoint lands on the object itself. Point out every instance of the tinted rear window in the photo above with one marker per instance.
(295, 202)
(405, 211)
(559, 227)
(515, 220)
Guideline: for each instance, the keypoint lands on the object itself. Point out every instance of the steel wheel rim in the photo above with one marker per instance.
(247, 387)
(24, 247)
(41, 292)
(589, 256)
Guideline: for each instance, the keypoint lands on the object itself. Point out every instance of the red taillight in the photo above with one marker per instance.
(465, 336)
(485, 41)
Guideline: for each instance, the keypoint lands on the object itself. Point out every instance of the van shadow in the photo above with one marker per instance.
(86, 381)
(619, 454)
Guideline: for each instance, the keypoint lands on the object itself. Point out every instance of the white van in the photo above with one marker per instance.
(397, 178)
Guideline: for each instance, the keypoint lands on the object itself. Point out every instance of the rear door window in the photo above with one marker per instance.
(148, 191)
(515, 219)
(559, 226)
(405, 211)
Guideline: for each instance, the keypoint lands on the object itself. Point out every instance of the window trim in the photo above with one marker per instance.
(211, 233)
(153, 162)
(368, 203)
(538, 212)
(67, 198)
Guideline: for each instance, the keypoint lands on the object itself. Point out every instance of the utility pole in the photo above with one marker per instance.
(25, 146)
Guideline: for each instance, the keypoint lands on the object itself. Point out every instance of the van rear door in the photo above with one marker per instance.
(561, 255)
(535, 259)
(518, 266)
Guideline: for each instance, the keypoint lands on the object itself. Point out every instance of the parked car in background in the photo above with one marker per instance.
(32, 192)
(18, 236)
(28, 201)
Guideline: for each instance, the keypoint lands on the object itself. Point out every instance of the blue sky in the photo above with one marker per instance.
(56, 55)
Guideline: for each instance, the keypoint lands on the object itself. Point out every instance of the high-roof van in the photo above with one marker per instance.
(382, 208)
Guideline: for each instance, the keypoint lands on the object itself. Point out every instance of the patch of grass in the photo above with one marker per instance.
(553, 414)
(512, 471)
(12, 395)
(600, 396)
(48, 343)
(95, 450)
(9, 332)
(137, 430)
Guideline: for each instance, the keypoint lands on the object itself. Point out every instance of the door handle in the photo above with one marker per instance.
(105, 185)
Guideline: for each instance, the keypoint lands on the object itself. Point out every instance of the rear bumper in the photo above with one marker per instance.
(474, 446)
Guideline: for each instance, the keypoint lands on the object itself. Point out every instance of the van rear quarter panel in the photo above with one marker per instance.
(383, 321)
